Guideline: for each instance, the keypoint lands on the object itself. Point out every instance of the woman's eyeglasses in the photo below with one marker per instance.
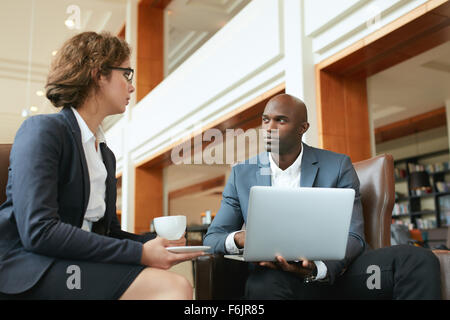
(128, 72)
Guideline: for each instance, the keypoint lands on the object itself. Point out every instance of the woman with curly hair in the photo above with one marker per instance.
(60, 214)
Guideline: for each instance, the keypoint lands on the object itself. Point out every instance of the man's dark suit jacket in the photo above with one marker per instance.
(47, 196)
(319, 168)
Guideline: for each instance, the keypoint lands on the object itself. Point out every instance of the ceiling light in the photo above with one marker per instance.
(54, 52)
(40, 93)
(25, 113)
(34, 109)
(70, 24)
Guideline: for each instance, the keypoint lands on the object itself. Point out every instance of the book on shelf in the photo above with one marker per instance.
(442, 186)
(413, 167)
(399, 173)
(444, 204)
(422, 191)
(437, 188)
(400, 208)
(437, 167)
(430, 168)
(426, 223)
(405, 223)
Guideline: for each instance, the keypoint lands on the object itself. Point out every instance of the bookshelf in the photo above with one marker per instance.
(427, 207)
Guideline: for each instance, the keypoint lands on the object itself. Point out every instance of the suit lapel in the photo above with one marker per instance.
(70, 117)
(263, 174)
(110, 196)
(309, 168)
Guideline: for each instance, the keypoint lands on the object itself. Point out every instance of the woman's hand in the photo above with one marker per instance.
(155, 254)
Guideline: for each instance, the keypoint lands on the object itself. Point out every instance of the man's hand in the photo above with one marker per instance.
(304, 268)
(155, 254)
(239, 239)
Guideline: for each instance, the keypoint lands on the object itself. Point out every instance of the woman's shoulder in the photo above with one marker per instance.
(43, 128)
(46, 122)
(55, 118)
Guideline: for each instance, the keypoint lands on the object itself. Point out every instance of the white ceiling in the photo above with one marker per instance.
(193, 22)
(30, 36)
(412, 87)
(28, 39)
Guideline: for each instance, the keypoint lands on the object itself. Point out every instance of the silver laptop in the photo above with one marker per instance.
(297, 223)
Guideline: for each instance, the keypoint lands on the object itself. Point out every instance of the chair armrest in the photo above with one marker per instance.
(444, 260)
(218, 278)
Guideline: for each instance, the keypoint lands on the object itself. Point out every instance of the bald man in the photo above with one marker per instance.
(292, 163)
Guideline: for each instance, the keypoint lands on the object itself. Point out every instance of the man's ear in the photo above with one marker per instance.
(304, 128)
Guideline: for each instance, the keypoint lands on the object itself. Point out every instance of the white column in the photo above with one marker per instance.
(372, 132)
(300, 77)
(128, 174)
(166, 42)
(447, 112)
(165, 193)
(131, 35)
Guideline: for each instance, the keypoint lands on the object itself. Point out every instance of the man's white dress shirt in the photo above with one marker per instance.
(281, 178)
(97, 172)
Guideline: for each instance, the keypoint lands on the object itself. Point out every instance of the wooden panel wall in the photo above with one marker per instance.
(148, 197)
(150, 47)
(422, 122)
(343, 115)
(150, 72)
(198, 187)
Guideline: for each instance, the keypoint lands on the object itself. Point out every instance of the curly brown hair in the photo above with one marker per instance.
(70, 79)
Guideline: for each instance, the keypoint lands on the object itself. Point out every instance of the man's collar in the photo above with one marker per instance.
(293, 167)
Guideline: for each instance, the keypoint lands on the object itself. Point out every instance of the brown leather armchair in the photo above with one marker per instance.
(219, 278)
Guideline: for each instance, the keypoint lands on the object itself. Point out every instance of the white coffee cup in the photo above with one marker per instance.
(170, 227)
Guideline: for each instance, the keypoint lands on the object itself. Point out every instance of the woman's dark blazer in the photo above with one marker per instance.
(47, 196)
